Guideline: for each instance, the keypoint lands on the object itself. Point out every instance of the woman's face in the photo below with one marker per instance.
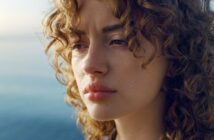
(110, 79)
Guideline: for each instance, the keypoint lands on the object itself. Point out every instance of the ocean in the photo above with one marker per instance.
(32, 103)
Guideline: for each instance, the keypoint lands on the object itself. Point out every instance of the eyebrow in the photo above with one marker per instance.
(106, 29)
(112, 28)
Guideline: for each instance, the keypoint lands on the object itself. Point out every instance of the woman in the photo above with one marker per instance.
(136, 70)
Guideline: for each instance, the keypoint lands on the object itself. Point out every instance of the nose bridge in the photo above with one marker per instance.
(95, 61)
(95, 53)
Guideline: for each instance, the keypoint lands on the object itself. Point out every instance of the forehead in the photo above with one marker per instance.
(95, 14)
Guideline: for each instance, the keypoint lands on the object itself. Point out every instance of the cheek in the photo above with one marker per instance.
(139, 84)
(129, 72)
(77, 71)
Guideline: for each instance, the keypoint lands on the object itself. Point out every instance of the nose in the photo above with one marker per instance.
(95, 63)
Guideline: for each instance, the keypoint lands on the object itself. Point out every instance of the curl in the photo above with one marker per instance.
(182, 29)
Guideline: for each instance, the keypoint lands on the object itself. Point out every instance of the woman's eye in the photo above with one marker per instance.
(78, 46)
(120, 42)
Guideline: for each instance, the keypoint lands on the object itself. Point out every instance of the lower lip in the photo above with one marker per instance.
(99, 96)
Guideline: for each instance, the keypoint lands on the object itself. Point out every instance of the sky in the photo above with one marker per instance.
(21, 38)
(19, 17)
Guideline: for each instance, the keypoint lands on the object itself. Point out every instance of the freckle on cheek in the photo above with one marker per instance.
(132, 83)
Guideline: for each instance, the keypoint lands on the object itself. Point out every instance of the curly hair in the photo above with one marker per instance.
(185, 30)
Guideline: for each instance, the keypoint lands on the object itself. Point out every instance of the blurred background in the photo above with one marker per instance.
(32, 103)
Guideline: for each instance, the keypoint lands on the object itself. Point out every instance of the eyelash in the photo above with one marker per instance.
(78, 46)
(119, 42)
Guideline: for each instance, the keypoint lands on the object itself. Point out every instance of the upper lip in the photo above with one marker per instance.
(96, 87)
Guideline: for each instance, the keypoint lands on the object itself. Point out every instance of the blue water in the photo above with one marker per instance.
(32, 103)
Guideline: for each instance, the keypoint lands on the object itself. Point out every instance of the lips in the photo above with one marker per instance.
(93, 88)
(98, 92)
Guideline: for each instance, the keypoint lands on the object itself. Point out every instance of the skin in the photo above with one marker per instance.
(137, 105)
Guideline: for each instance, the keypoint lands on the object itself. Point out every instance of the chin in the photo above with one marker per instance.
(102, 115)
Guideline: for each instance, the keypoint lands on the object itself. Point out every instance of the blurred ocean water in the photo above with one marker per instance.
(32, 103)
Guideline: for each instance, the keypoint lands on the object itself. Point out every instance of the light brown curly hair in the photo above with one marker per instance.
(185, 30)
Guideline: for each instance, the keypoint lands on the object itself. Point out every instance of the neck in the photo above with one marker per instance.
(144, 124)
